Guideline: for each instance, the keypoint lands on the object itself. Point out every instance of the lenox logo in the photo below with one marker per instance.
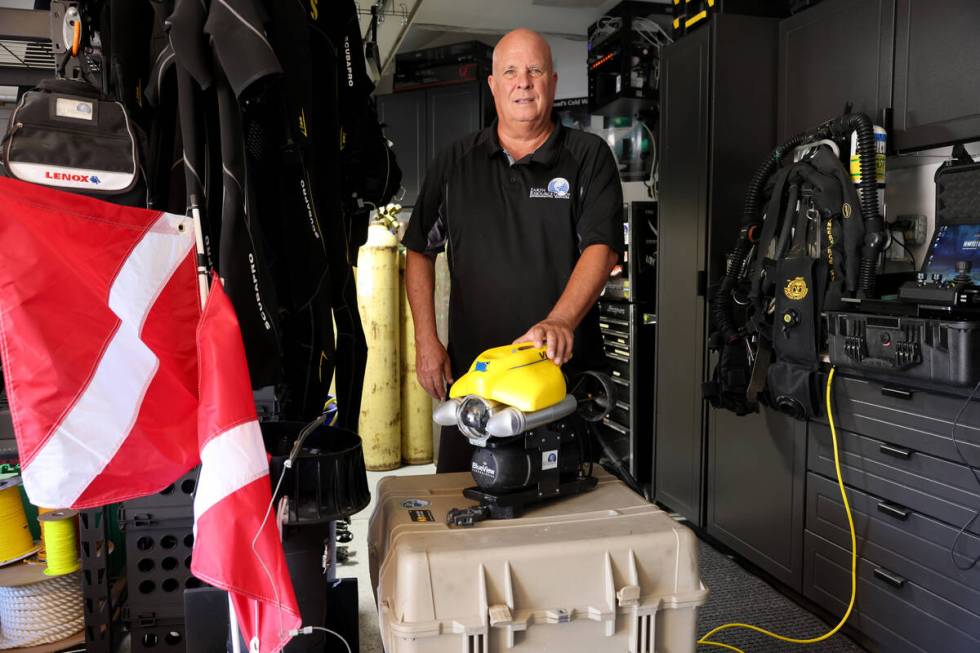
(71, 176)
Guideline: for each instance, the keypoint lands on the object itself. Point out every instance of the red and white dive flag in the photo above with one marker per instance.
(237, 544)
(98, 309)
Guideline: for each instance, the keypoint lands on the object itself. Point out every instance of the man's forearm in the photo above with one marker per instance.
(584, 286)
(420, 283)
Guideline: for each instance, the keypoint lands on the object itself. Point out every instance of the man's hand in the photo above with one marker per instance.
(557, 334)
(432, 367)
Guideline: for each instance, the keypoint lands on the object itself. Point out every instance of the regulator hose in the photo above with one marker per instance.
(874, 227)
(874, 239)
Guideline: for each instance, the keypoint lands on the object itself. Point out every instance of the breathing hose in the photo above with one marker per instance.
(874, 239)
(751, 221)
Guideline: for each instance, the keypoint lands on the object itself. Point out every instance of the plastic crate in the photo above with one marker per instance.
(100, 627)
(158, 636)
(176, 501)
(158, 570)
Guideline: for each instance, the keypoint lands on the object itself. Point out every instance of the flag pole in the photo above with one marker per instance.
(203, 287)
(202, 259)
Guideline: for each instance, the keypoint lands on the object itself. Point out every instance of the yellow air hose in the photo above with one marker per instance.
(706, 640)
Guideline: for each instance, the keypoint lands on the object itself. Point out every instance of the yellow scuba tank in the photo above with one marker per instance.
(416, 405)
(377, 299)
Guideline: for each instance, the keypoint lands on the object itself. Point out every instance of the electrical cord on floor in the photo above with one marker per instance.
(976, 475)
(308, 630)
(706, 639)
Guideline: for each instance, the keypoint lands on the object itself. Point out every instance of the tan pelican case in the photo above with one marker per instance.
(601, 572)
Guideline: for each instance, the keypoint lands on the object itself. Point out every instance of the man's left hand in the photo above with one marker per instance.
(557, 334)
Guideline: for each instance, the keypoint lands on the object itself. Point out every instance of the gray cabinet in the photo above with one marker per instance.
(421, 123)
(837, 52)
(712, 136)
(679, 415)
(914, 502)
(756, 471)
(919, 58)
(937, 73)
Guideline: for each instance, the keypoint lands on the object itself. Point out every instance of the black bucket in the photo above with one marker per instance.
(327, 481)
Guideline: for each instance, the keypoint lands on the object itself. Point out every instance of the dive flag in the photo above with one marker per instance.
(237, 545)
(98, 309)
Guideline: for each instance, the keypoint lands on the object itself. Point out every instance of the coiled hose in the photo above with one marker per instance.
(874, 240)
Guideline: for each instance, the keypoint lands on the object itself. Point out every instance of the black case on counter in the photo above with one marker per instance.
(941, 351)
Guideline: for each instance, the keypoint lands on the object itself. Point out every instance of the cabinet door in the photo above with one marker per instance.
(937, 73)
(452, 113)
(403, 115)
(684, 90)
(839, 51)
(756, 469)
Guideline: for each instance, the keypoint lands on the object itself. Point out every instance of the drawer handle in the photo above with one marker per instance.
(890, 578)
(893, 511)
(896, 393)
(897, 452)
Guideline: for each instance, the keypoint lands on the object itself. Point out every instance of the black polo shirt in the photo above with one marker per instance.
(513, 233)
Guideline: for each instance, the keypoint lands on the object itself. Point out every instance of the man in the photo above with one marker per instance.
(531, 216)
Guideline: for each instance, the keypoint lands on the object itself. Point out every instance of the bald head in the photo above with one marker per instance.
(522, 39)
(523, 81)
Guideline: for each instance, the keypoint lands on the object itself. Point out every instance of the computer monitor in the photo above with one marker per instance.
(952, 243)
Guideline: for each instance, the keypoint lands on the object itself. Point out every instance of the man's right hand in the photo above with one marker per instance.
(432, 367)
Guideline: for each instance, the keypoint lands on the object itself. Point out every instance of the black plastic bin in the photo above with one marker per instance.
(327, 481)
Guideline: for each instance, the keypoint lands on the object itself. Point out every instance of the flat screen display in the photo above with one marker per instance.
(952, 243)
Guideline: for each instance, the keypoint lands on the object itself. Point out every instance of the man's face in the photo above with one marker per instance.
(523, 82)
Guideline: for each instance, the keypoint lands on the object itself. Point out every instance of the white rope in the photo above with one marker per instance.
(41, 613)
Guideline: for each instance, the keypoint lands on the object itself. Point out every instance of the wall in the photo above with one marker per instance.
(911, 190)
(570, 64)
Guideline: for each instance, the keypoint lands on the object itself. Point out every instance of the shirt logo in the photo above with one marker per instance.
(558, 189)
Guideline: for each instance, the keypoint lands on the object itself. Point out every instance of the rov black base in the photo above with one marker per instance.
(512, 504)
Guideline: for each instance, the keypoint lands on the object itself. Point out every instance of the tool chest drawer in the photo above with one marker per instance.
(616, 349)
(908, 417)
(931, 486)
(912, 545)
(895, 612)
(618, 355)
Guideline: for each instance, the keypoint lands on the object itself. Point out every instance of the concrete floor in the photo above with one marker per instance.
(358, 566)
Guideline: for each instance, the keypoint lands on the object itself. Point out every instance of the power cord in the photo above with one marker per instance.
(308, 630)
(976, 475)
(706, 639)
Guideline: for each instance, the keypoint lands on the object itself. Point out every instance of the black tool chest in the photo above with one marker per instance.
(626, 332)
(627, 321)
(911, 494)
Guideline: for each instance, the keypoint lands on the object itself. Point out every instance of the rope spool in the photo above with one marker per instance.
(42, 555)
(60, 542)
(16, 542)
(42, 612)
